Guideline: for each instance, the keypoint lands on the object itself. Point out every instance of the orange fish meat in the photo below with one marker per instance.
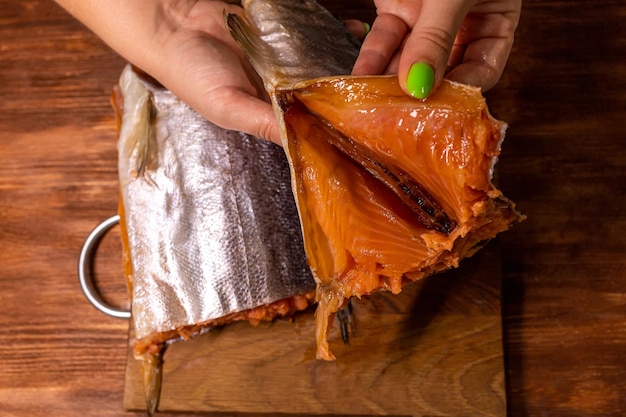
(389, 188)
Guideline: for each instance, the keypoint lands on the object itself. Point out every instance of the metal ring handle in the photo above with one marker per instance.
(84, 267)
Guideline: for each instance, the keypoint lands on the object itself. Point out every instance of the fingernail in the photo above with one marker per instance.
(367, 28)
(420, 80)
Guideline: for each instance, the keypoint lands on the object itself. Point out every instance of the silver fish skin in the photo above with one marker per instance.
(288, 41)
(212, 224)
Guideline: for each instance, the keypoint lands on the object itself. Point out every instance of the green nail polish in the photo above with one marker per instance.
(367, 27)
(420, 80)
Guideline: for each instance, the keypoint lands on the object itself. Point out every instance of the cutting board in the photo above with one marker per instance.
(433, 350)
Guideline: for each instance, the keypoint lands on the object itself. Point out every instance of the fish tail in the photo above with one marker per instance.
(152, 370)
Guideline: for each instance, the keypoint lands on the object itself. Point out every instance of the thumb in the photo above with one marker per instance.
(258, 118)
(427, 49)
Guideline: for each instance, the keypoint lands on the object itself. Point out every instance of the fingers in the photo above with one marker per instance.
(357, 28)
(235, 109)
(380, 45)
(467, 41)
(483, 45)
(214, 78)
(483, 63)
(427, 49)
(250, 115)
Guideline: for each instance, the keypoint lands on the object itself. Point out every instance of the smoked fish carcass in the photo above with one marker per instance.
(389, 189)
(203, 244)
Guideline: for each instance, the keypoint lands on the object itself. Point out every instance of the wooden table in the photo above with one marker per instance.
(564, 163)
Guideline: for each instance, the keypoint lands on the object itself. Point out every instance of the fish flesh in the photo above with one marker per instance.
(203, 244)
(389, 189)
(405, 197)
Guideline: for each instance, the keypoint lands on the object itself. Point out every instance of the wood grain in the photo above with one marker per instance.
(435, 349)
(564, 163)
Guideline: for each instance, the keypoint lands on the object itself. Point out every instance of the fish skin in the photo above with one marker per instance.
(282, 41)
(212, 225)
(338, 272)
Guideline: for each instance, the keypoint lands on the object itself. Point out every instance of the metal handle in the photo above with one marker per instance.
(84, 268)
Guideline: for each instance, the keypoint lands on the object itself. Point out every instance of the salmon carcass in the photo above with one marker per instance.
(202, 243)
(389, 189)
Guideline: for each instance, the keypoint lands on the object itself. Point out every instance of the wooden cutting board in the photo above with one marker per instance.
(433, 350)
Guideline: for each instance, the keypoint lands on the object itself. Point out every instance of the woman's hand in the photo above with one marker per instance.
(468, 41)
(186, 47)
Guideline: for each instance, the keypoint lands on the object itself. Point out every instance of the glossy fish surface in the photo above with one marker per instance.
(389, 188)
(212, 230)
(293, 40)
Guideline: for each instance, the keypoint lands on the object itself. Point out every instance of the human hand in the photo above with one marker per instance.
(186, 47)
(201, 64)
(468, 41)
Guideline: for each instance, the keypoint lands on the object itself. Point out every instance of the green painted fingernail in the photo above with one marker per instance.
(420, 80)
(367, 27)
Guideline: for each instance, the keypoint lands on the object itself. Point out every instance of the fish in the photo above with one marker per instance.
(202, 245)
(390, 189)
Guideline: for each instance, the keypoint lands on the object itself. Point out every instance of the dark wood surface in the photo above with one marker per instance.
(435, 349)
(563, 162)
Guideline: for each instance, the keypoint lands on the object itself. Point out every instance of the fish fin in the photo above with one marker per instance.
(259, 53)
(142, 138)
(152, 370)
